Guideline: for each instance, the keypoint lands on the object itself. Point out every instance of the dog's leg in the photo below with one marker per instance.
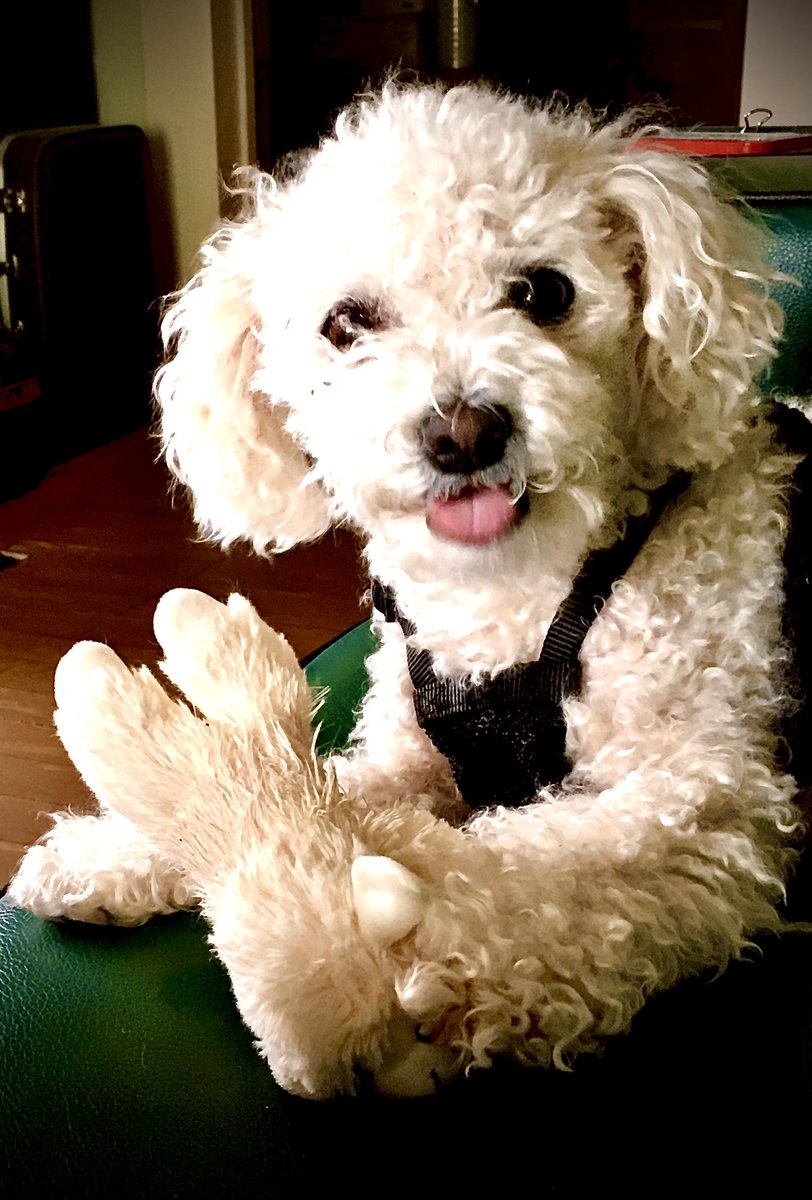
(392, 761)
(547, 928)
(98, 869)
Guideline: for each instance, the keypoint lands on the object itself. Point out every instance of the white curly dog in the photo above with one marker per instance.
(517, 352)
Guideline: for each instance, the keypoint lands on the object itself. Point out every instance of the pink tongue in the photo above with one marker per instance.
(476, 517)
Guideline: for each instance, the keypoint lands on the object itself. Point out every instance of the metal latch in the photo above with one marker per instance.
(12, 200)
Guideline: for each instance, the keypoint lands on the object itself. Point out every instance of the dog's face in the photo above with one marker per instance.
(450, 328)
(451, 334)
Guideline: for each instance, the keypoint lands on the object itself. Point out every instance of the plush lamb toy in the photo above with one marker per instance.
(516, 352)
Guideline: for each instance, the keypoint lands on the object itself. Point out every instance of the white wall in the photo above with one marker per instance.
(118, 53)
(778, 60)
(233, 84)
(181, 70)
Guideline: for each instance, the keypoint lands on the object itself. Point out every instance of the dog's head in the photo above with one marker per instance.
(461, 312)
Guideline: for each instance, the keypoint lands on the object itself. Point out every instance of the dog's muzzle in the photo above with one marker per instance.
(463, 441)
(465, 438)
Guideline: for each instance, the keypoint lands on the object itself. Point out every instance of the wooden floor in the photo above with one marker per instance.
(95, 546)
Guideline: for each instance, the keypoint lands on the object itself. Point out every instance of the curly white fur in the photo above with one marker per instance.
(357, 901)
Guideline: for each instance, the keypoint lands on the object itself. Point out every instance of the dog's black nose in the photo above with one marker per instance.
(466, 438)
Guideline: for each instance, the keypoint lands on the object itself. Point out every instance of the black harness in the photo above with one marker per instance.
(505, 738)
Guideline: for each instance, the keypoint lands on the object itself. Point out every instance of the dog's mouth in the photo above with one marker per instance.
(477, 515)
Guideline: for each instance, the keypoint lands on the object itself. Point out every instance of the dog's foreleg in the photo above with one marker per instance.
(391, 761)
(98, 868)
(545, 929)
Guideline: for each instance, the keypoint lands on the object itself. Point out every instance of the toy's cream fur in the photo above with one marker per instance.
(355, 902)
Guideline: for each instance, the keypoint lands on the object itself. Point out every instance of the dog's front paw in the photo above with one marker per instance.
(97, 870)
(411, 1064)
(390, 902)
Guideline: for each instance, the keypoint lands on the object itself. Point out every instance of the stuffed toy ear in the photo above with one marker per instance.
(222, 437)
(708, 326)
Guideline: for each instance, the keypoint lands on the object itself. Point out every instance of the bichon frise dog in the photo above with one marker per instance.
(517, 352)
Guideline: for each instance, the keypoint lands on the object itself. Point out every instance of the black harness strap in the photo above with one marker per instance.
(505, 738)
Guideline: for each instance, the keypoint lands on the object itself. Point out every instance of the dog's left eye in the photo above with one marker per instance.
(349, 319)
(546, 295)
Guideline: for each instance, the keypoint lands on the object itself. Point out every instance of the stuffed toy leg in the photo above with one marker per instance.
(230, 797)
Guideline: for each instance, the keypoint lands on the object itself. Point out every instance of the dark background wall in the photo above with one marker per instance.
(683, 56)
(46, 75)
(312, 56)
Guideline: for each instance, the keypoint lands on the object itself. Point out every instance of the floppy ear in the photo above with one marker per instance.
(222, 437)
(708, 326)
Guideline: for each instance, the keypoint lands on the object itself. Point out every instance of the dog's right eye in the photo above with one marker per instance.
(349, 319)
(546, 295)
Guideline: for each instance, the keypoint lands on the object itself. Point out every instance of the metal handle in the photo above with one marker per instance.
(747, 127)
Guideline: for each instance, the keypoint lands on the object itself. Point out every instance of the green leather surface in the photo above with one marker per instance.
(340, 669)
(124, 1071)
(791, 225)
(122, 1059)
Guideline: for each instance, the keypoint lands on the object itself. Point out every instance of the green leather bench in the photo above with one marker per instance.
(126, 1071)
